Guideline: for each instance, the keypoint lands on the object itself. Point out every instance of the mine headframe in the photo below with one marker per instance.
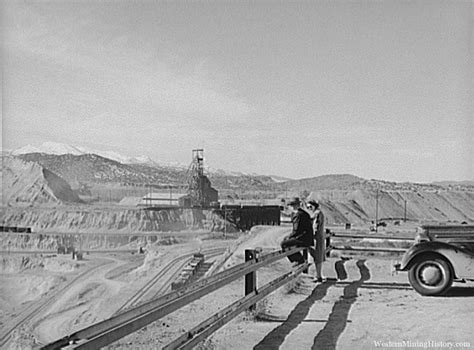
(200, 191)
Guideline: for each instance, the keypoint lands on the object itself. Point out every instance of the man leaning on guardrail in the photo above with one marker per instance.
(302, 232)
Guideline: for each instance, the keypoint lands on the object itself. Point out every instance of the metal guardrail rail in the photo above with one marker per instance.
(331, 235)
(369, 249)
(388, 237)
(117, 327)
(191, 338)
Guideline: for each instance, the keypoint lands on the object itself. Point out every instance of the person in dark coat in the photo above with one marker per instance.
(302, 233)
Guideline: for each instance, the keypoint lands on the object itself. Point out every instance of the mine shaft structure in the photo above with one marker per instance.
(201, 195)
(200, 191)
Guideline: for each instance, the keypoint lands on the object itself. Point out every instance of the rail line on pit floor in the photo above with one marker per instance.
(31, 312)
(183, 260)
(168, 282)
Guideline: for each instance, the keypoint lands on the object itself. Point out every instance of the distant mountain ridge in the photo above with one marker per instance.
(55, 148)
(79, 164)
(91, 168)
(328, 182)
(343, 197)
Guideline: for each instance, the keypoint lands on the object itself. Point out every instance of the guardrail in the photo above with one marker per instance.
(330, 235)
(117, 327)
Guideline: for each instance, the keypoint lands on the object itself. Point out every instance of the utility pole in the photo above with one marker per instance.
(405, 211)
(225, 223)
(376, 210)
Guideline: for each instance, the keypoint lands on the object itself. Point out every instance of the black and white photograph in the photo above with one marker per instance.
(237, 174)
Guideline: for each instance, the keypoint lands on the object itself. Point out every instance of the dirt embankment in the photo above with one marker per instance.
(28, 183)
(360, 206)
(40, 242)
(83, 219)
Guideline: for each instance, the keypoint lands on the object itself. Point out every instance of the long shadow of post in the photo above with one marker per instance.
(276, 337)
(328, 336)
(340, 270)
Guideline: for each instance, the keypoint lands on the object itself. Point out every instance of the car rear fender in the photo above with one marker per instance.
(460, 261)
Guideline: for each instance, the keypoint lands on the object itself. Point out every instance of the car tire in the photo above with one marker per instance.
(430, 275)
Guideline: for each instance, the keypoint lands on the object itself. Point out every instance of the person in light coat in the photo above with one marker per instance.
(318, 253)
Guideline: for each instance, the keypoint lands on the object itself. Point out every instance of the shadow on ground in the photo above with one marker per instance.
(458, 291)
(328, 336)
(276, 337)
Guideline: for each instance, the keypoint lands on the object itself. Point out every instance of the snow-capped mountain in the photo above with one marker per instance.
(50, 148)
(61, 148)
(277, 178)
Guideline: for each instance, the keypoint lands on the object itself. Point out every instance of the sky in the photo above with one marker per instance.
(377, 89)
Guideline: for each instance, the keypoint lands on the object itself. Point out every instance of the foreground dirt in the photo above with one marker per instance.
(364, 307)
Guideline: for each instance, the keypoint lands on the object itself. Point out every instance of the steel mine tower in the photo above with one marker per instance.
(200, 191)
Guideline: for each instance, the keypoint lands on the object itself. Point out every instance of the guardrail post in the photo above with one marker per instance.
(305, 258)
(328, 242)
(251, 277)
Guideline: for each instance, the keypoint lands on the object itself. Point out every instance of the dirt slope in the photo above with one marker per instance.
(359, 206)
(29, 184)
(99, 220)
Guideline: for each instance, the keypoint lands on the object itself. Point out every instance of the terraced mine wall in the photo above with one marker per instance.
(114, 220)
(66, 243)
(359, 206)
(67, 219)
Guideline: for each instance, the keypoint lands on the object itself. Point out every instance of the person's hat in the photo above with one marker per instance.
(294, 201)
(313, 203)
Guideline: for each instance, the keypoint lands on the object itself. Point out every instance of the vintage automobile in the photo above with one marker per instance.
(442, 254)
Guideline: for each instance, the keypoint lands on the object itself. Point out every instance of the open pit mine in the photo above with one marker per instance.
(168, 268)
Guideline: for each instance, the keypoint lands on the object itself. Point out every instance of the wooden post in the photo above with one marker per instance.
(376, 210)
(225, 223)
(405, 211)
(305, 258)
(251, 277)
(328, 242)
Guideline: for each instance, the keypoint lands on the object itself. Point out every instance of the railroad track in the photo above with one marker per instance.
(112, 329)
(177, 264)
(30, 313)
(208, 253)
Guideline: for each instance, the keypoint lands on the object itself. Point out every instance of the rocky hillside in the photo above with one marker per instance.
(91, 168)
(351, 199)
(325, 182)
(363, 205)
(86, 169)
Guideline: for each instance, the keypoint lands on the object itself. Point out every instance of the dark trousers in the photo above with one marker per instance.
(293, 242)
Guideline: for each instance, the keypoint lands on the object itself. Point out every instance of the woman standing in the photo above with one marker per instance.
(319, 254)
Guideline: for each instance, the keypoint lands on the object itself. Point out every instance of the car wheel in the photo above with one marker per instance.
(430, 275)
